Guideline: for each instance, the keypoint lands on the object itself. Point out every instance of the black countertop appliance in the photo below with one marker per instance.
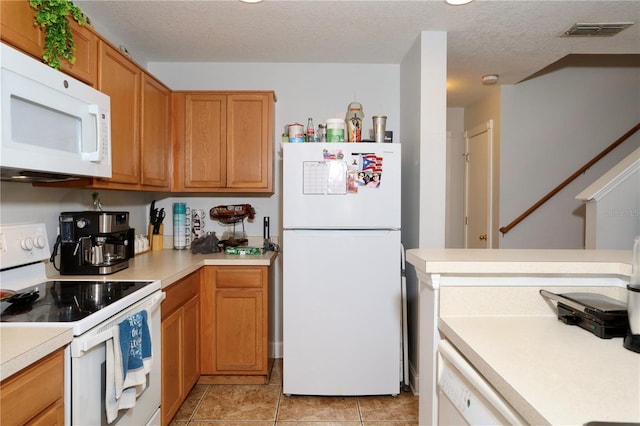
(94, 242)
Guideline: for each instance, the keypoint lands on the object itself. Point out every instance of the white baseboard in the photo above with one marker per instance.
(415, 379)
(275, 349)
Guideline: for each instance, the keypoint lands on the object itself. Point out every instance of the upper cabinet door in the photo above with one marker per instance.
(85, 68)
(205, 148)
(250, 141)
(18, 28)
(156, 134)
(120, 78)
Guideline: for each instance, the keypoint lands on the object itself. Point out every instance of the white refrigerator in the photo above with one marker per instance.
(341, 253)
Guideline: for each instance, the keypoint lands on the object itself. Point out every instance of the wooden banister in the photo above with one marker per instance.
(570, 179)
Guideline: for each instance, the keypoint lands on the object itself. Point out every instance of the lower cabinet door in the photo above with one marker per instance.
(239, 331)
(191, 345)
(171, 362)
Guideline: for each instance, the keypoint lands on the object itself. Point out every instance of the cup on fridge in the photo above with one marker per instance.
(379, 127)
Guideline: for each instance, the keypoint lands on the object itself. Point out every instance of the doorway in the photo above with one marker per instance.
(478, 188)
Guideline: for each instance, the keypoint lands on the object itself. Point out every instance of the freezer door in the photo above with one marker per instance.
(341, 185)
(341, 312)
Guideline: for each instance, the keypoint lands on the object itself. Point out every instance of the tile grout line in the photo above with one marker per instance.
(275, 420)
(195, 410)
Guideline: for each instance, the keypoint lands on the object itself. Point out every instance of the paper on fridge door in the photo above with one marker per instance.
(324, 177)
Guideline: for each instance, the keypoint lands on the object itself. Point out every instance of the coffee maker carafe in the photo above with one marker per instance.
(94, 242)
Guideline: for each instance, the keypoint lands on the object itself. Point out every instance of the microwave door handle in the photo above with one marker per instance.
(94, 155)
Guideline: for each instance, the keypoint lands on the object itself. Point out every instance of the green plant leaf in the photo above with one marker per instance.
(51, 16)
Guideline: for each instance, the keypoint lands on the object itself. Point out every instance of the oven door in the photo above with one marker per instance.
(86, 393)
(465, 397)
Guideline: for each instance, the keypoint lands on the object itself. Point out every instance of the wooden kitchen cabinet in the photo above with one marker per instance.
(85, 68)
(234, 324)
(17, 29)
(35, 395)
(120, 78)
(223, 141)
(156, 135)
(180, 343)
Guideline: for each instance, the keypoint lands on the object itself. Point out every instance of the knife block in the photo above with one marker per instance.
(156, 240)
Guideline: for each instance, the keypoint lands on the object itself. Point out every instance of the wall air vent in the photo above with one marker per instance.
(596, 29)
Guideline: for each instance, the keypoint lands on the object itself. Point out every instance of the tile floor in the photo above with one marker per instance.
(262, 405)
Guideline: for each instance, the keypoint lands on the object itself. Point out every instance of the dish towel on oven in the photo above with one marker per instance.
(129, 359)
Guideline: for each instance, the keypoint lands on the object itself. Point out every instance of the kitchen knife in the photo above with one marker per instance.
(157, 220)
(152, 212)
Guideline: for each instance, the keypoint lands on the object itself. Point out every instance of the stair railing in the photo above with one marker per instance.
(570, 179)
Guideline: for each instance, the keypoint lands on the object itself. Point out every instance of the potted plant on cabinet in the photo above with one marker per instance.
(51, 16)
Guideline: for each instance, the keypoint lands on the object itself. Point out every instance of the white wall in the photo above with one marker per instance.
(454, 232)
(23, 203)
(424, 152)
(550, 127)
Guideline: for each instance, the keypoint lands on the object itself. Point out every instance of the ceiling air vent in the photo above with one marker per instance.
(596, 30)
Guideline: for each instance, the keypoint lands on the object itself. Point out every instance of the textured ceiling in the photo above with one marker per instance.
(512, 38)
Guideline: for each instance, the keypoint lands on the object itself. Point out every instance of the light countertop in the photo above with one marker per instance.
(550, 372)
(513, 261)
(22, 346)
(170, 265)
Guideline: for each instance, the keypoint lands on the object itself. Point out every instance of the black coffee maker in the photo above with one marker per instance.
(94, 242)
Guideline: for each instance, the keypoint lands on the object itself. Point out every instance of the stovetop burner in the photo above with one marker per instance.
(65, 301)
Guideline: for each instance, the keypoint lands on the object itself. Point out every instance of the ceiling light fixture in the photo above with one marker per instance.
(458, 2)
(489, 79)
(250, 1)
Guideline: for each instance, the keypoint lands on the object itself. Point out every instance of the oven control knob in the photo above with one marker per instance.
(27, 243)
(38, 241)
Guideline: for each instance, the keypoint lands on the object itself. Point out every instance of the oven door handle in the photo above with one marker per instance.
(81, 344)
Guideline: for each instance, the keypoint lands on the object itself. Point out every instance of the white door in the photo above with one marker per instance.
(478, 187)
(341, 185)
(341, 312)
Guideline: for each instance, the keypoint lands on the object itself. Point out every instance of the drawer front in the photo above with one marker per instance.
(32, 390)
(180, 293)
(245, 277)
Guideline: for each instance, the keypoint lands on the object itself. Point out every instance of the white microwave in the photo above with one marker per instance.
(53, 126)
